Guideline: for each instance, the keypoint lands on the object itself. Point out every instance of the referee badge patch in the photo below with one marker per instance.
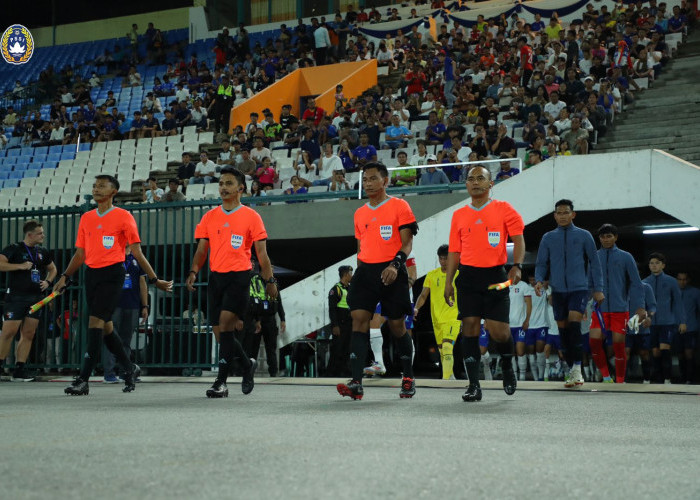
(236, 241)
(108, 242)
(494, 238)
(385, 232)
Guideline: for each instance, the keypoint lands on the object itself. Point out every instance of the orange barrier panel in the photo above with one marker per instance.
(356, 77)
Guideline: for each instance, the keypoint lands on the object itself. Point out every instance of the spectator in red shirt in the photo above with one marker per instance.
(313, 112)
(416, 79)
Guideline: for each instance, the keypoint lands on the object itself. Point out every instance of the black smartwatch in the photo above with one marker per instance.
(271, 281)
(519, 266)
(153, 280)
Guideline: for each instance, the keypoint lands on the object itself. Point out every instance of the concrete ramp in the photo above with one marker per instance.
(595, 182)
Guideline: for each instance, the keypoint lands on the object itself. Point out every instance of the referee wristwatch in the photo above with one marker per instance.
(271, 281)
(519, 266)
(153, 280)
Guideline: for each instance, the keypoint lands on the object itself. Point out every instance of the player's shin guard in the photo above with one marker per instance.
(646, 369)
(91, 353)
(239, 351)
(575, 341)
(116, 347)
(486, 362)
(376, 342)
(666, 363)
(541, 365)
(472, 357)
(599, 356)
(620, 361)
(226, 356)
(405, 346)
(522, 367)
(358, 354)
(534, 369)
(447, 360)
(505, 349)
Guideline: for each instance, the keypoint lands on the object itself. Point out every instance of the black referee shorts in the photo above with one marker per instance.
(474, 299)
(367, 290)
(228, 292)
(103, 289)
(17, 305)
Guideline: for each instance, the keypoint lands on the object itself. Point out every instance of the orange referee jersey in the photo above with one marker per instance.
(479, 235)
(377, 228)
(104, 237)
(230, 235)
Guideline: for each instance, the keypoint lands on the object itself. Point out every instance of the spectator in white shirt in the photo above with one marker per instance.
(151, 192)
(327, 164)
(56, 133)
(553, 107)
(182, 94)
(199, 116)
(259, 151)
(322, 41)
(205, 171)
(152, 103)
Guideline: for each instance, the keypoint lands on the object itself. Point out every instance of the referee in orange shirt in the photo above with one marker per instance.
(227, 234)
(384, 229)
(103, 235)
(478, 236)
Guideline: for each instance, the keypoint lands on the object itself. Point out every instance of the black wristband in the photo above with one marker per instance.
(153, 280)
(192, 271)
(399, 260)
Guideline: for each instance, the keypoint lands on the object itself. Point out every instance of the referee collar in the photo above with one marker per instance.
(372, 207)
(482, 206)
(97, 211)
(229, 212)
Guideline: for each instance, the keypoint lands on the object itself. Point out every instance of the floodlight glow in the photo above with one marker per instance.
(669, 230)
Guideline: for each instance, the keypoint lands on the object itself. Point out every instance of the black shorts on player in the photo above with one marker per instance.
(367, 289)
(16, 306)
(475, 300)
(228, 292)
(103, 289)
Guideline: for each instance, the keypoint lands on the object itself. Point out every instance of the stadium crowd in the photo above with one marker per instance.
(486, 92)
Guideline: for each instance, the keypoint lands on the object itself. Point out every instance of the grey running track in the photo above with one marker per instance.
(167, 440)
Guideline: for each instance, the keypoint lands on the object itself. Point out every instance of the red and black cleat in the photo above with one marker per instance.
(408, 388)
(352, 389)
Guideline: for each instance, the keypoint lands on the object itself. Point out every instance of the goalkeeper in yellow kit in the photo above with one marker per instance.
(445, 323)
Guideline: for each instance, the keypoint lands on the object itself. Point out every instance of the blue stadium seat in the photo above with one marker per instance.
(24, 159)
(41, 150)
(19, 167)
(38, 158)
(4, 175)
(16, 175)
(1, 182)
(54, 156)
(10, 160)
(55, 149)
(36, 166)
(85, 146)
(11, 183)
(15, 151)
(5, 168)
(31, 173)
(50, 164)
(27, 151)
(68, 155)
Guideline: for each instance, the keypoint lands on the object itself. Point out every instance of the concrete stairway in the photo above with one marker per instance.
(667, 116)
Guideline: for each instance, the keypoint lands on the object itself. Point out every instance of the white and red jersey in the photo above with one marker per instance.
(518, 308)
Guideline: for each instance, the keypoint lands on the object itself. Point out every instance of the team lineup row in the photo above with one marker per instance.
(467, 291)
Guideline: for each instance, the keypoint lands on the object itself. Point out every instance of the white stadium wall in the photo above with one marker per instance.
(593, 182)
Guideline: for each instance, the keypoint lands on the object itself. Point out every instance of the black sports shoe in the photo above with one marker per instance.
(510, 382)
(79, 387)
(248, 381)
(22, 375)
(408, 388)
(473, 393)
(218, 390)
(130, 378)
(352, 389)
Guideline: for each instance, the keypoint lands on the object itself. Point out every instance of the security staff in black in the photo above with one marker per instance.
(31, 271)
(341, 324)
(263, 309)
(222, 105)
